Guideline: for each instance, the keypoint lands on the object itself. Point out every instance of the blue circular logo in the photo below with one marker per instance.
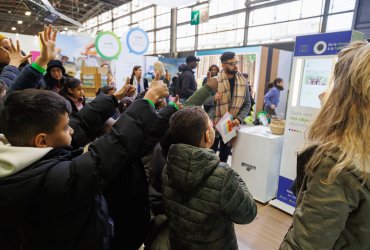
(137, 41)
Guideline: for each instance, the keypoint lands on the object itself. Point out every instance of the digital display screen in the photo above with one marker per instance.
(316, 76)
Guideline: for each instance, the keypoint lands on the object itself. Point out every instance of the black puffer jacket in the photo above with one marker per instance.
(202, 200)
(127, 193)
(55, 202)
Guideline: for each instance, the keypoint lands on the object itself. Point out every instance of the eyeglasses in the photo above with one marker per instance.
(232, 63)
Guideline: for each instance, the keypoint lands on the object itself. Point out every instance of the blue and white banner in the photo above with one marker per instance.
(324, 44)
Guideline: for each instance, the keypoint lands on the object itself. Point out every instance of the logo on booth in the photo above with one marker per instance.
(320, 47)
(108, 45)
(137, 41)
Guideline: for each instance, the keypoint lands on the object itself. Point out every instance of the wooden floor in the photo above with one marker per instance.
(266, 231)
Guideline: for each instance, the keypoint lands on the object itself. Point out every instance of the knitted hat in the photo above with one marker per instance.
(55, 63)
(2, 37)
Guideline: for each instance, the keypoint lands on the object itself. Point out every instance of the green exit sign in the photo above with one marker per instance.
(195, 17)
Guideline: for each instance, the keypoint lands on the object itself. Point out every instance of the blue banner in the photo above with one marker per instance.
(322, 44)
(284, 193)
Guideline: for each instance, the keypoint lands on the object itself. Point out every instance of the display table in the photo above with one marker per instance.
(256, 158)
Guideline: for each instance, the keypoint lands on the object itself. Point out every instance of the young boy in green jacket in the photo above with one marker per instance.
(203, 198)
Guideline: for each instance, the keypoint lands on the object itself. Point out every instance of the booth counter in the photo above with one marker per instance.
(256, 158)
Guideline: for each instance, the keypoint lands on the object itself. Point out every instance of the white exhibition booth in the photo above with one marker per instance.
(267, 162)
(314, 60)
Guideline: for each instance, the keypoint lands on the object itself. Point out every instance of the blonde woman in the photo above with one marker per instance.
(333, 205)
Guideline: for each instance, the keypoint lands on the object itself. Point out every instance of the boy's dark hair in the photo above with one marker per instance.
(228, 55)
(125, 103)
(31, 111)
(70, 83)
(105, 89)
(189, 125)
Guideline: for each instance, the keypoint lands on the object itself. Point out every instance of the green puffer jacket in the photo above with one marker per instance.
(331, 216)
(203, 199)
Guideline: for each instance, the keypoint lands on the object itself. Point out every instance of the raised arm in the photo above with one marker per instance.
(31, 75)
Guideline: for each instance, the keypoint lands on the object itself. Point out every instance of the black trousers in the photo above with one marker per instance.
(225, 149)
(270, 111)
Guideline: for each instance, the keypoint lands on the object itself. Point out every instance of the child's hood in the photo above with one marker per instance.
(14, 159)
(188, 166)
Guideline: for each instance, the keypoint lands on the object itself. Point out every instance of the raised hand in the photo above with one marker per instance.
(212, 82)
(131, 91)
(123, 91)
(15, 54)
(177, 101)
(48, 50)
(157, 90)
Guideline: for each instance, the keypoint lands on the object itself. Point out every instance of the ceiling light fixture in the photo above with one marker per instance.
(20, 22)
(28, 13)
(14, 28)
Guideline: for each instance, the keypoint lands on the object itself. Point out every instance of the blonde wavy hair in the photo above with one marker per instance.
(343, 123)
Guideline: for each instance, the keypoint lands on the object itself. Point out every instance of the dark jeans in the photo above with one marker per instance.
(224, 149)
(270, 111)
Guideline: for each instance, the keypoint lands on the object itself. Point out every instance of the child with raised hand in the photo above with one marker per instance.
(74, 93)
(50, 192)
(31, 75)
(11, 62)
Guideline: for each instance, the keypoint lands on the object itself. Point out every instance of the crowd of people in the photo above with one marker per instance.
(69, 181)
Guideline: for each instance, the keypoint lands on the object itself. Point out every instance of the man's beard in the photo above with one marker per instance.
(231, 72)
(280, 87)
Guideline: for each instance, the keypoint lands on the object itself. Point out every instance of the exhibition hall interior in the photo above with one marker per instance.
(184, 124)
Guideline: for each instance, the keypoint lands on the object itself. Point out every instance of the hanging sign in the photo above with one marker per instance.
(137, 41)
(108, 45)
(199, 14)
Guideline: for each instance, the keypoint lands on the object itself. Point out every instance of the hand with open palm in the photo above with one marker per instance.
(15, 54)
(48, 49)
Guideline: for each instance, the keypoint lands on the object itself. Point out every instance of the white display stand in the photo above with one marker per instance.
(314, 60)
(256, 158)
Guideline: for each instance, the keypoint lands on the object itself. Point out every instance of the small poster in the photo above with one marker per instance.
(316, 76)
(225, 127)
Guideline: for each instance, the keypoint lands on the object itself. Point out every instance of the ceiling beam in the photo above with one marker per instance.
(90, 12)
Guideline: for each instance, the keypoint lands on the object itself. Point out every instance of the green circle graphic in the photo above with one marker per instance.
(117, 40)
